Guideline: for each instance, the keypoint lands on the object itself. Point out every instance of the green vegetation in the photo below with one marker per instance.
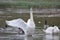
(25, 17)
(27, 4)
(30, 3)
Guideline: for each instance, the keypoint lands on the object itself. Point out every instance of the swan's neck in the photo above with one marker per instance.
(31, 14)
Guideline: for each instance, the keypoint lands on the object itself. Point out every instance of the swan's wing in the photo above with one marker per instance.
(17, 23)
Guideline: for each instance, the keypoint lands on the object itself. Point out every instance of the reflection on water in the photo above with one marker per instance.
(51, 37)
(16, 37)
(28, 38)
(34, 37)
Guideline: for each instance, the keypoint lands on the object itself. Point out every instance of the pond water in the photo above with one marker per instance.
(34, 37)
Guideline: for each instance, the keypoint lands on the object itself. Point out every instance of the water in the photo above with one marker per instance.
(34, 37)
(38, 35)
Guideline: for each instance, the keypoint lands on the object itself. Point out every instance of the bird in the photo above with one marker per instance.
(52, 30)
(28, 27)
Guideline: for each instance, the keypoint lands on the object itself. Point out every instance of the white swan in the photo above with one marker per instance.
(52, 30)
(28, 27)
(30, 23)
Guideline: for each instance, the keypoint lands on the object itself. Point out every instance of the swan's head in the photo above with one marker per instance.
(55, 27)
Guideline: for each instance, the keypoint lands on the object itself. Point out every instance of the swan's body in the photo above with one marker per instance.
(30, 23)
(52, 30)
(28, 27)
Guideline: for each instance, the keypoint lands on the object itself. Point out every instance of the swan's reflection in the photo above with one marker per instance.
(21, 37)
(28, 38)
(51, 37)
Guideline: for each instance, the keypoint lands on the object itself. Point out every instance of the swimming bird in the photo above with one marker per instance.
(52, 30)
